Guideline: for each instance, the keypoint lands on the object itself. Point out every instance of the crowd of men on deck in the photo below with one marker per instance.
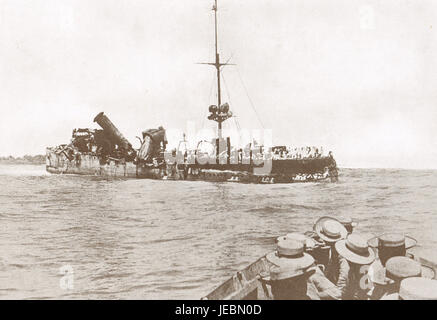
(297, 153)
(333, 262)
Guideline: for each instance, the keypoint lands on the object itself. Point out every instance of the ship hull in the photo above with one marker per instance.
(90, 165)
(282, 171)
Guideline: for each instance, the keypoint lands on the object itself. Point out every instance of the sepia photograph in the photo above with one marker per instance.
(202, 150)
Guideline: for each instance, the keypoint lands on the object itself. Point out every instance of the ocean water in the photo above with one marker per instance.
(147, 239)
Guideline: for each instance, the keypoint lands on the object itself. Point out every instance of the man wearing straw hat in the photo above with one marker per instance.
(397, 269)
(330, 230)
(348, 223)
(415, 288)
(388, 245)
(354, 254)
(319, 287)
(391, 245)
(293, 275)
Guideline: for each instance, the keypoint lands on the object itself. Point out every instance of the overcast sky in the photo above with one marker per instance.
(358, 77)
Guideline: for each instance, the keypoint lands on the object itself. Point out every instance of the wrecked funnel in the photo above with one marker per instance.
(112, 131)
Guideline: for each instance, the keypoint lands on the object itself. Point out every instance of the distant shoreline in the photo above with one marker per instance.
(27, 159)
(41, 160)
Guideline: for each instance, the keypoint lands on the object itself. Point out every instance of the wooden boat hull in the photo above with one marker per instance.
(247, 284)
(244, 285)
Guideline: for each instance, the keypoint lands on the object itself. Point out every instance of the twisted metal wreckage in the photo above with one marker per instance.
(106, 152)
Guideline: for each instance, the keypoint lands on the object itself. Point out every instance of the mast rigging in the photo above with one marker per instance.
(219, 112)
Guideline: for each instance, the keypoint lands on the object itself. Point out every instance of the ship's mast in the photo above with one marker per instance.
(218, 113)
(217, 61)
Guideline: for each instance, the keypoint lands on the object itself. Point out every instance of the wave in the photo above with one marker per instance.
(281, 209)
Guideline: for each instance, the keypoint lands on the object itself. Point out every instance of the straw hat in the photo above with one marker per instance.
(278, 273)
(347, 221)
(355, 249)
(330, 229)
(396, 269)
(392, 240)
(415, 288)
(290, 258)
(399, 268)
(307, 241)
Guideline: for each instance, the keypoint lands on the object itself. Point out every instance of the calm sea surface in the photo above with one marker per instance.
(149, 239)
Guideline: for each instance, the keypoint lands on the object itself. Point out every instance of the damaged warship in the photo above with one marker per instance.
(106, 152)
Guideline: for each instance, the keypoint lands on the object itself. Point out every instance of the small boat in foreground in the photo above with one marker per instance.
(252, 283)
